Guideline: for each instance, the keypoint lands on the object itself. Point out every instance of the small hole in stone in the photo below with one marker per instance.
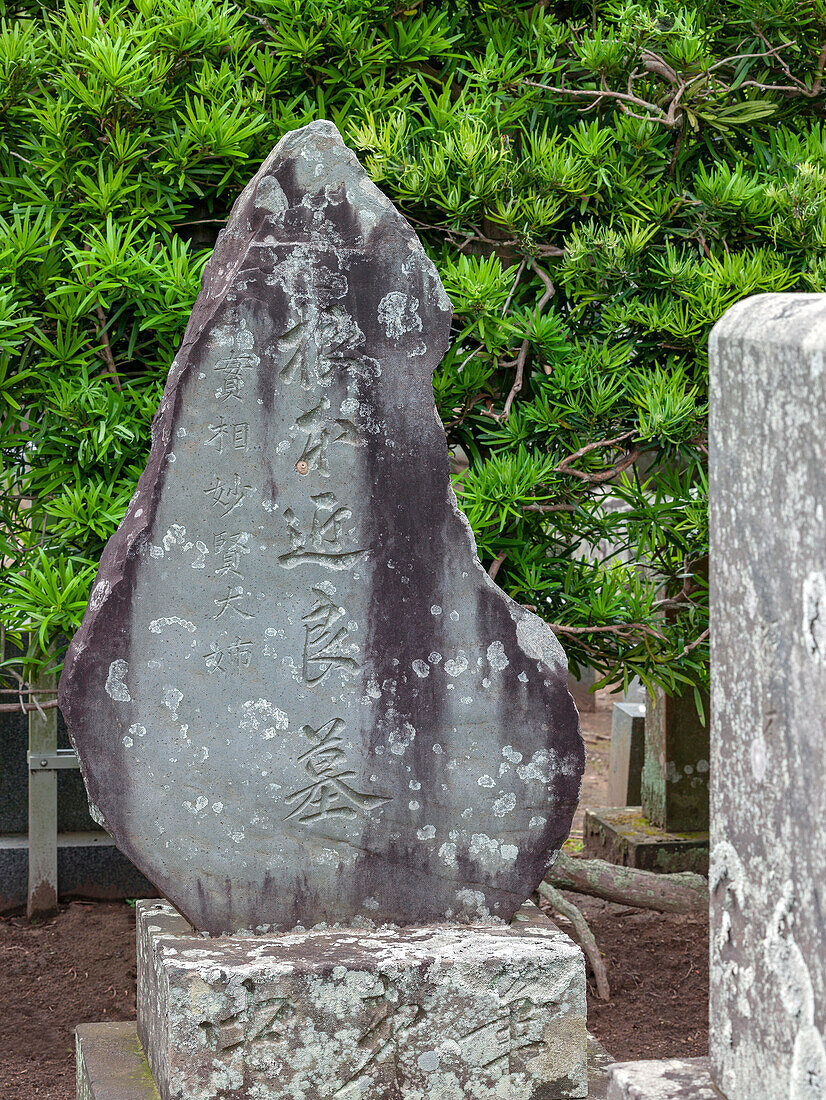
(302, 466)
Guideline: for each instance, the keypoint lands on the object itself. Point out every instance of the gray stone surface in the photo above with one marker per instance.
(433, 1013)
(627, 754)
(669, 1079)
(296, 694)
(111, 1064)
(768, 662)
(674, 789)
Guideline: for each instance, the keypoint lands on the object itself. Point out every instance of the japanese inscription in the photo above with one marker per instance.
(324, 542)
(330, 793)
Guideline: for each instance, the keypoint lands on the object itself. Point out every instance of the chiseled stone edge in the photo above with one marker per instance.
(111, 1064)
(666, 1079)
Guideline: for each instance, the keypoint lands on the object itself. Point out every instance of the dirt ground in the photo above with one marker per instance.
(80, 967)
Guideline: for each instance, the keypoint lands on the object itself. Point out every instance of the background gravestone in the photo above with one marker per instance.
(768, 790)
(296, 695)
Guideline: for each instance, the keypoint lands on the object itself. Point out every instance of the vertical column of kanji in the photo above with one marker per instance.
(318, 355)
(226, 546)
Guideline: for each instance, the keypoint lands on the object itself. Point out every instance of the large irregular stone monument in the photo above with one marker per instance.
(304, 710)
(296, 695)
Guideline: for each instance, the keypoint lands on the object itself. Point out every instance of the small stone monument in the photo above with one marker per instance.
(299, 701)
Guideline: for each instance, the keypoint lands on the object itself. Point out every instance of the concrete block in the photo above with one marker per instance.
(111, 1064)
(620, 834)
(627, 754)
(670, 1079)
(425, 1013)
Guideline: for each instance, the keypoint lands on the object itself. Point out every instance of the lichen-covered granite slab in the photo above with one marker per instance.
(296, 695)
(436, 1013)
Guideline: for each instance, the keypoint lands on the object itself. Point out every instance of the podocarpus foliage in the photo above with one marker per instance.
(596, 183)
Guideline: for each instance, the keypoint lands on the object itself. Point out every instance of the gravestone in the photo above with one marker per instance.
(768, 714)
(676, 767)
(300, 703)
(768, 828)
(627, 754)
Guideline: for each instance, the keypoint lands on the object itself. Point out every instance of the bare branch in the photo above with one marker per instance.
(496, 564)
(549, 292)
(583, 933)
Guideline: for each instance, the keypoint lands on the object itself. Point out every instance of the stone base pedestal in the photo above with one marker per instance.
(111, 1064)
(622, 835)
(422, 1013)
(672, 1079)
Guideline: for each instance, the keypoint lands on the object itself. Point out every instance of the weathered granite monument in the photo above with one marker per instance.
(299, 702)
(768, 762)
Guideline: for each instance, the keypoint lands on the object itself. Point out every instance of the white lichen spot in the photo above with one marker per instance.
(370, 903)
(435, 609)
(99, 594)
(128, 742)
(421, 669)
(256, 713)
(137, 730)
(172, 698)
(200, 559)
(400, 739)
(428, 1061)
(522, 677)
(399, 313)
(414, 806)
(427, 832)
(496, 657)
(447, 853)
(174, 536)
(537, 768)
(504, 804)
(537, 822)
(157, 625)
(510, 754)
(457, 666)
(434, 658)
(486, 781)
(454, 616)
(115, 686)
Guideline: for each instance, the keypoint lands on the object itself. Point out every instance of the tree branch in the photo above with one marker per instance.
(583, 934)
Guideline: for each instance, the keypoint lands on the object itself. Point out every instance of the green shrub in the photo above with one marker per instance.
(596, 183)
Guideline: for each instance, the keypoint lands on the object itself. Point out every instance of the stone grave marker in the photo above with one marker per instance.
(768, 795)
(296, 695)
(768, 715)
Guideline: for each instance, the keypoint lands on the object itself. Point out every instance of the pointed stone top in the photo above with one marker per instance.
(296, 695)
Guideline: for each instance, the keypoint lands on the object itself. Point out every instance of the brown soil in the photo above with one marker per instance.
(80, 967)
(658, 972)
(76, 968)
